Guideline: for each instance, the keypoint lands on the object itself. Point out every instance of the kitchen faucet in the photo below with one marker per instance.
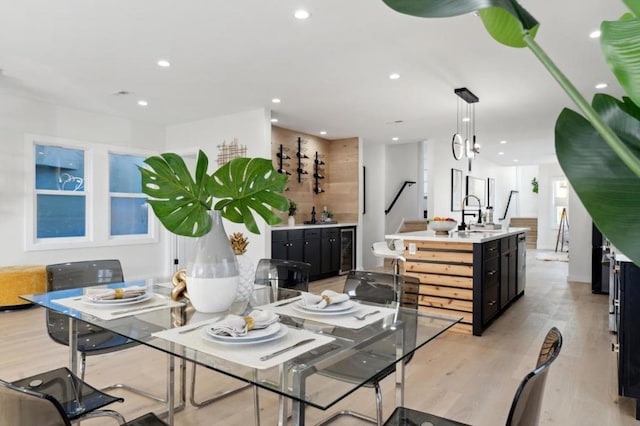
(463, 225)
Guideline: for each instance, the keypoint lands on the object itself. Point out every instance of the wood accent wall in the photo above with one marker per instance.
(532, 233)
(340, 171)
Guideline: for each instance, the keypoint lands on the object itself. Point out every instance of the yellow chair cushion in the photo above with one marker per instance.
(22, 279)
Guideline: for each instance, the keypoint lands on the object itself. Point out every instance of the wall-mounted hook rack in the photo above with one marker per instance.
(300, 154)
(316, 173)
(282, 156)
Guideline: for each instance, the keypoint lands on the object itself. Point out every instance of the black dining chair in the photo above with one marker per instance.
(386, 289)
(59, 398)
(525, 408)
(274, 273)
(92, 340)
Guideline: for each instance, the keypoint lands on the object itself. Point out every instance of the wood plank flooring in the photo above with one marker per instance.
(470, 379)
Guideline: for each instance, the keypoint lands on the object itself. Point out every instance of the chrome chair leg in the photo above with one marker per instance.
(199, 404)
(377, 421)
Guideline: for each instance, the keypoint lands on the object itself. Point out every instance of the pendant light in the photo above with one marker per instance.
(464, 142)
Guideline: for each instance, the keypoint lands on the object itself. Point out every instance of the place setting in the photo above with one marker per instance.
(112, 302)
(257, 340)
(330, 307)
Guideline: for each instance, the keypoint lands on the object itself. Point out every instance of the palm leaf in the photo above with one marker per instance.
(620, 43)
(249, 185)
(180, 203)
(505, 20)
(607, 188)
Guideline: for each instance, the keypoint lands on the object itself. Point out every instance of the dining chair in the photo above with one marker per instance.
(382, 249)
(381, 288)
(274, 273)
(92, 340)
(55, 397)
(59, 398)
(526, 404)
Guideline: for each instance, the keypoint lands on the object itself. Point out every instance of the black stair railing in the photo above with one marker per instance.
(404, 185)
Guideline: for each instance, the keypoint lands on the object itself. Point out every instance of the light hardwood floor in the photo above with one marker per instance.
(470, 379)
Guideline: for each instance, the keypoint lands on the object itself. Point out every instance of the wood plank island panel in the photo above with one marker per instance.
(445, 271)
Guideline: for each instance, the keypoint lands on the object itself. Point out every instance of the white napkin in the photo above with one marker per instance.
(115, 293)
(235, 325)
(321, 301)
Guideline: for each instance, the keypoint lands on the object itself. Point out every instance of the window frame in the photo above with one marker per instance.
(97, 197)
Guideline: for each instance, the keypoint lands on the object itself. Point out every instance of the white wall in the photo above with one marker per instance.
(250, 128)
(19, 116)
(404, 163)
(579, 240)
(527, 205)
(373, 221)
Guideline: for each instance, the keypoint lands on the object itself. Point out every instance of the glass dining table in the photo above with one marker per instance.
(301, 357)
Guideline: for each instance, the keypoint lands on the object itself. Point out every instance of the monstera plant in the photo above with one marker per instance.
(243, 186)
(598, 148)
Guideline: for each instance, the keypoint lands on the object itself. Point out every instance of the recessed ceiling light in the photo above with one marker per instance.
(601, 86)
(595, 34)
(301, 14)
(395, 139)
(275, 100)
(503, 142)
(501, 153)
(465, 119)
(274, 120)
(164, 63)
(143, 103)
(515, 160)
(394, 76)
(323, 132)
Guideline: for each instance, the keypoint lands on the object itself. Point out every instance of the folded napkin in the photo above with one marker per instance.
(235, 325)
(321, 301)
(115, 293)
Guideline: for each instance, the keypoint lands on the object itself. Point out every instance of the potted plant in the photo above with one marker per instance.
(599, 151)
(292, 212)
(184, 205)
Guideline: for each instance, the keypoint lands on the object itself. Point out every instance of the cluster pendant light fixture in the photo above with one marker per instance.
(464, 143)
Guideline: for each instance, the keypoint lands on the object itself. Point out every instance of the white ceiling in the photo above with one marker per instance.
(331, 71)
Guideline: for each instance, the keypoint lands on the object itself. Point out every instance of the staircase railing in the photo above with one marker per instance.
(406, 183)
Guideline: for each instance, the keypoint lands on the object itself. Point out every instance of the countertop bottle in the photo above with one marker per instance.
(313, 214)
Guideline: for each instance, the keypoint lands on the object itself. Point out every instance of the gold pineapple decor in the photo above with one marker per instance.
(246, 267)
(239, 243)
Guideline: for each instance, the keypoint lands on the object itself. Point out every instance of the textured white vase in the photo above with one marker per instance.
(247, 270)
(291, 221)
(212, 275)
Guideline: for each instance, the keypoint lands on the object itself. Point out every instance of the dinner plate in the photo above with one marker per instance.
(117, 302)
(252, 336)
(353, 308)
(282, 331)
(336, 307)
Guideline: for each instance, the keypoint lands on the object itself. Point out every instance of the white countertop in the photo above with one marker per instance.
(456, 237)
(309, 226)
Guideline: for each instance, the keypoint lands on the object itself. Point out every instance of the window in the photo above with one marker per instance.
(60, 192)
(85, 195)
(128, 206)
(560, 198)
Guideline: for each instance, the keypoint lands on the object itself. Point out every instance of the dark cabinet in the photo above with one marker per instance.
(629, 332)
(508, 262)
(330, 251)
(312, 241)
(490, 289)
(288, 245)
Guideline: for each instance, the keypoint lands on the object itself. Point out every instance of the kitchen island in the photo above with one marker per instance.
(476, 274)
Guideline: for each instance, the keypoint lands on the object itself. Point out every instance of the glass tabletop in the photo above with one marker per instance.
(341, 353)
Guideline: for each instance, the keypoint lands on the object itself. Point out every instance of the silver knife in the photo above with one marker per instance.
(139, 308)
(295, 299)
(288, 348)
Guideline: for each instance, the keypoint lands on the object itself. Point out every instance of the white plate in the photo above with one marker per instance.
(252, 336)
(118, 302)
(336, 307)
(237, 341)
(354, 307)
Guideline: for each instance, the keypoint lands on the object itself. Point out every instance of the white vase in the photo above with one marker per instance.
(291, 221)
(212, 275)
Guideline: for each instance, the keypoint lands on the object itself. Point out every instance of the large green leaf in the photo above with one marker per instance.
(505, 20)
(180, 203)
(607, 188)
(245, 184)
(634, 6)
(620, 43)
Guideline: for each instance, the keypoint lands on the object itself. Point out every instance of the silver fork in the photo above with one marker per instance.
(362, 317)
